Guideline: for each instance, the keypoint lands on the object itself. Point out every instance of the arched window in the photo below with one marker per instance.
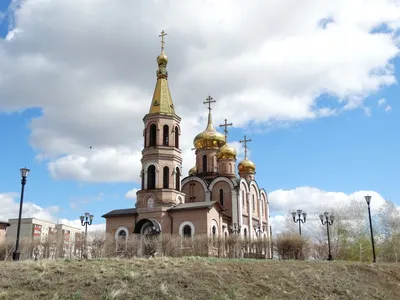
(243, 200)
(166, 178)
(153, 135)
(245, 233)
(214, 233)
(176, 137)
(151, 177)
(221, 197)
(254, 204)
(165, 135)
(187, 231)
(177, 179)
(262, 208)
(122, 235)
(142, 174)
(204, 163)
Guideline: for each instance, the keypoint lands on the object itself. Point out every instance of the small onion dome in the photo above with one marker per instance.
(209, 138)
(162, 59)
(226, 152)
(246, 166)
(193, 171)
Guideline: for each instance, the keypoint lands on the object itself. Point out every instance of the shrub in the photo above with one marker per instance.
(291, 246)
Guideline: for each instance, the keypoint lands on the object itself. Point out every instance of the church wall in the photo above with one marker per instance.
(194, 192)
(227, 167)
(214, 217)
(113, 223)
(227, 199)
(212, 164)
(198, 217)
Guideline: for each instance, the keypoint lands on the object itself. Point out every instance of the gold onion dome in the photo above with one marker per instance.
(209, 138)
(162, 59)
(246, 166)
(226, 152)
(193, 171)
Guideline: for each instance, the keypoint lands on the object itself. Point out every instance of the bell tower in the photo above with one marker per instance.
(161, 154)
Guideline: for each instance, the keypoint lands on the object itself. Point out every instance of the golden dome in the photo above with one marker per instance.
(246, 166)
(209, 138)
(162, 58)
(193, 171)
(226, 152)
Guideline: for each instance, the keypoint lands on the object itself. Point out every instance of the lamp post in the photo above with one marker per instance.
(368, 200)
(235, 229)
(85, 221)
(328, 221)
(299, 219)
(24, 174)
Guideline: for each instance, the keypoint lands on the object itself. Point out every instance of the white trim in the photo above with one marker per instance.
(119, 229)
(207, 193)
(253, 183)
(218, 179)
(246, 185)
(183, 224)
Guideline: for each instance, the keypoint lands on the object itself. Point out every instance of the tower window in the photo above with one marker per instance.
(176, 137)
(165, 135)
(142, 175)
(153, 135)
(166, 178)
(204, 163)
(187, 231)
(177, 179)
(221, 197)
(151, 177)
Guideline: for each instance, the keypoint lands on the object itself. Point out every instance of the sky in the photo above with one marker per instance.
(313, 83)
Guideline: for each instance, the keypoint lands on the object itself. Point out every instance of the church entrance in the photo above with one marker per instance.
(149, 230)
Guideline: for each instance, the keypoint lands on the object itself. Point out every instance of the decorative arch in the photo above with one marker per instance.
(255, 185)
(244, 185)
(198, 179)
(119, 229)
(175, 127)
(263, 193)
(146, 166)
(232, 184)
(214, 223)
(186, 223)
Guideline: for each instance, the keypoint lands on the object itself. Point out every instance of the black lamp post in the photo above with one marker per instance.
(368, 200)
(85, 221)
(328, 221)
(24, 174)
(299, 219)
(235, 229)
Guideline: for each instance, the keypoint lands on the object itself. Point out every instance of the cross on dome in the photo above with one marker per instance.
(225, 125)
(208, 101)
(163, 33)
(245, 141)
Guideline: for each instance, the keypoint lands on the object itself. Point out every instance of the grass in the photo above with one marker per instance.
(197, 278)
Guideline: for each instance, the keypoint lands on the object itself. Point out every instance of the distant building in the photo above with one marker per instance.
(3, 229)
(56, 240)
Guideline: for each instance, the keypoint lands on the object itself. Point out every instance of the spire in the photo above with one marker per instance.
(162, 100)
(208, 101)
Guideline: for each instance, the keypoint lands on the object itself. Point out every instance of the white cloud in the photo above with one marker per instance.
(381, 101)
(388, 108)
(131, 194)
(90, 68)
(10, 209)
(314, 201)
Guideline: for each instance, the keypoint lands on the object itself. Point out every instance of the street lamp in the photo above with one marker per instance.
(299, 219)
(85, 221)
(24, 174)
(368, 200)
(328, 220)
(235, 229)
(259, 229)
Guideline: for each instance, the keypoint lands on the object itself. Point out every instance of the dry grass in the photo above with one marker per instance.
(197, 278)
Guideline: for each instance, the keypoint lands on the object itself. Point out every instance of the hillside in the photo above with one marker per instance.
(197, 278)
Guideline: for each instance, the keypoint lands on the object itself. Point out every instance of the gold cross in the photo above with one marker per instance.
(163, 33)
(226, 124)
(208, 101)
(245, 141)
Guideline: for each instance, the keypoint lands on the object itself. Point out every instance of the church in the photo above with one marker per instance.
(214, 199)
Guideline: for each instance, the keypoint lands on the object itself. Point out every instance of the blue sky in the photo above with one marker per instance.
(354, 150)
